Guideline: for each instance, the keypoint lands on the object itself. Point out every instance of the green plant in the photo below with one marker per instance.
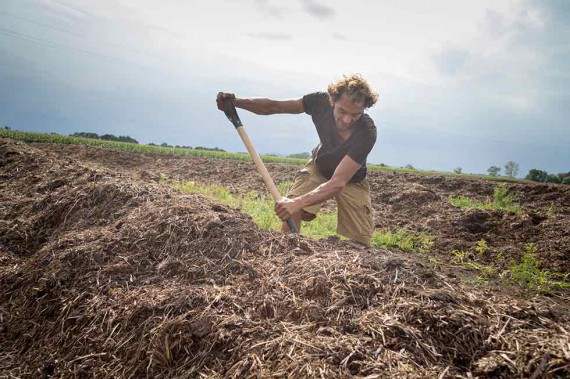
(284, 187)
(481, 247)
(502, 200)
(487, 271)
(465, 259)
(530, 247)
(500, 257)
(460, 256)
(501, 196)
(550, 210)
(463, 202)
(527, 272)
(402, 239)
(261, 207)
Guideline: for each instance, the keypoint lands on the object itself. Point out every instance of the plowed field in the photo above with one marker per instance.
(107, 273)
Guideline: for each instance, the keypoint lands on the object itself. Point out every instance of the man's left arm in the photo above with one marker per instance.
(342, 175)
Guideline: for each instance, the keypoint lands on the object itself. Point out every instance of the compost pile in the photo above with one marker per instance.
(415, 202)
(105, 275)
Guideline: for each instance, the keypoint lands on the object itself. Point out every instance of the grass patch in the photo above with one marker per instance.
(502, 200)
(260, 207)
(525, 273)
(403, 240)
(465, 259)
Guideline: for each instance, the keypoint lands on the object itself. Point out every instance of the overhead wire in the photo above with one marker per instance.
(29, 38)
(41, 24)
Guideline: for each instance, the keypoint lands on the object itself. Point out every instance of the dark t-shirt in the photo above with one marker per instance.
(332, 148)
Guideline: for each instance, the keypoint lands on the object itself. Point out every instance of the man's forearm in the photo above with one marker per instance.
(325, 191)
(259, 106)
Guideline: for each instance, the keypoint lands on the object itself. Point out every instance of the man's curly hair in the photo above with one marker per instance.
(356, 88)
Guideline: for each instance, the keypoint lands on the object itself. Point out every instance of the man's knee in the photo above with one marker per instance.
(306, 216)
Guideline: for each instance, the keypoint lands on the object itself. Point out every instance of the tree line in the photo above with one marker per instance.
(106, 137)
(128, 139)
(544, 177)
(536, 175)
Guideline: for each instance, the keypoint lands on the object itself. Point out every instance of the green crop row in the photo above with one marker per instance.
(153, 149)
(58, 138)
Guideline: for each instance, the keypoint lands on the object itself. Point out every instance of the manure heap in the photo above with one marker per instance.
(105, 276)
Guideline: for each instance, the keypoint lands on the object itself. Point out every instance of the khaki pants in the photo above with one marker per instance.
(354, 206)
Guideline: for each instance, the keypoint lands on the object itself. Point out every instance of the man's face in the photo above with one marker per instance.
(346, 112)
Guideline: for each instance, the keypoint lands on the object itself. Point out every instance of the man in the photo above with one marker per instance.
(338, 164)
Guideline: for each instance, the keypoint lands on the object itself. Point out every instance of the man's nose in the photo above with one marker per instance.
(347, 119)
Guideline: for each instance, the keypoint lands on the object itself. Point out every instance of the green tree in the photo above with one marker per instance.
(85, 135)
(108, 137)
(511, 169)
(409, 167)
(494, 171)
(458, 170)
(7, 127)
(127, 139)
(566, 180)
(208, 148)
(299, 155)
(551, 178)
(537, 175)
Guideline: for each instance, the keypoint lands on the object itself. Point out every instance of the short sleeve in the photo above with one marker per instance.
(363, 145)
(313, 102)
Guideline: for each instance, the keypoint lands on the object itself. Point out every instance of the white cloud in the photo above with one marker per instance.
(464, 69)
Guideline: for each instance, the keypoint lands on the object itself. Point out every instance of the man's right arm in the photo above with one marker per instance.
(262, 106)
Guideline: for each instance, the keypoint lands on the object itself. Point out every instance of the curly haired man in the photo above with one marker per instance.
(337, 168)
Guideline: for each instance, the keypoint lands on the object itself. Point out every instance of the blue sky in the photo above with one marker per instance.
(462, 83)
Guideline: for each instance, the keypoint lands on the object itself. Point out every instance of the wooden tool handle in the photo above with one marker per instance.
(232, 115)
(259, 164)
(264, 173)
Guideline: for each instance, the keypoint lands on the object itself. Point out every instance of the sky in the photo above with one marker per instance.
(462, 83)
